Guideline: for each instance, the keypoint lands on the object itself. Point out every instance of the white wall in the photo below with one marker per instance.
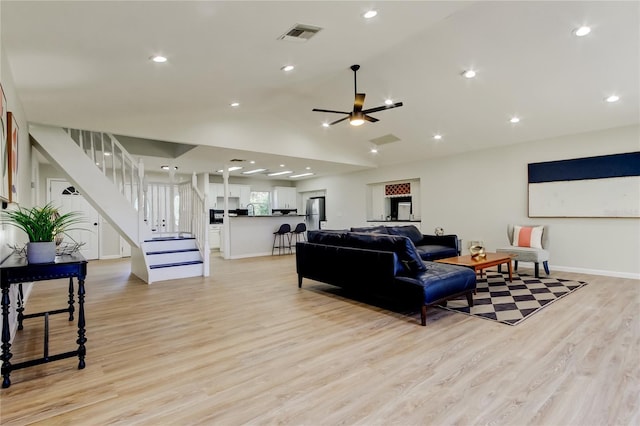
(9, 234)
(476, 194)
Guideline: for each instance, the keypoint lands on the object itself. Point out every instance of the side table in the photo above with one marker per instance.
(16, 270)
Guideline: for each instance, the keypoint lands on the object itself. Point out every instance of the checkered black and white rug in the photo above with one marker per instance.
(512, 302)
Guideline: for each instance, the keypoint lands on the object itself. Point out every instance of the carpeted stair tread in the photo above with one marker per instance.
(149, 253)
(169, 239)
(170, 265)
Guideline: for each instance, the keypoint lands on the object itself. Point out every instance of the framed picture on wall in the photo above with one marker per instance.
(4, 161)
(12, 150)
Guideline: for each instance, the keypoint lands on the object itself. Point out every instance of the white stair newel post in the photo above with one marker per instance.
(172, 196)
(142, 213)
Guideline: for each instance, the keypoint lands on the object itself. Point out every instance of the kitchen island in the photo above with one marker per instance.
(251, 236)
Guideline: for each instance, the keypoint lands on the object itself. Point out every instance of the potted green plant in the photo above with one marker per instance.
(42, 225)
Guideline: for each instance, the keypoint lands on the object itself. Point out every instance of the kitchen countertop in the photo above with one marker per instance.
(394, 220)
(271, 215)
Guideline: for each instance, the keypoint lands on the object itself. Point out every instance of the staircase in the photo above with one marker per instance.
(113, 182)
(169, 258)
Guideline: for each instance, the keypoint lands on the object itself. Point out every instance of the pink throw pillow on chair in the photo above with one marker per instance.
(527, 236)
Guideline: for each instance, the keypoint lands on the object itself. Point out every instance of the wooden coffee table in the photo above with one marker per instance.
(479, 264)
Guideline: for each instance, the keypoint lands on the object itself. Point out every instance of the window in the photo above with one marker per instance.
(260, 202)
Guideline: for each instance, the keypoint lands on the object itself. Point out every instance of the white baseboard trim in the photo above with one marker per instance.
(244, 256)
(111, 256)
(616, 274)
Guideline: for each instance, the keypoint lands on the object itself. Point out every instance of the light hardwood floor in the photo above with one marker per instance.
(246, 346)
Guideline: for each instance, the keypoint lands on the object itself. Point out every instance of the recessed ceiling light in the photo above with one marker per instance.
(234, 168)
(167, 167)
(469, 74)
(288, 68)
(159, 59)
(250, 172)
(370, 14)
(235, 104)
(388, 101)
(374, 151)
(437, 136)
(514, 120)
(300, 175)
(582, 31)
(307, 168)
(107, 154)
(325, 124)
(281, 165)
(252, 162)
(286, 172)
(612, 98)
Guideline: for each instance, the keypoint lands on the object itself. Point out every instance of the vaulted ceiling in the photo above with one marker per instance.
(86, 64)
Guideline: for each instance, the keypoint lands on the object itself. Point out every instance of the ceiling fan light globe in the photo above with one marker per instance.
(356, 121)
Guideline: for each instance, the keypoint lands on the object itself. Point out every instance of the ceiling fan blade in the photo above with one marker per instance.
(382, 108)
(337, 121)
(370, 119)
(359, 102)
(330, 110)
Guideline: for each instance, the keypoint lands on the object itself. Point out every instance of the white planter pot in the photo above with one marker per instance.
(43, 252)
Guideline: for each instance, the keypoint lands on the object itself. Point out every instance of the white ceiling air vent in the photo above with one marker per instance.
(383, 140)
(300, 33)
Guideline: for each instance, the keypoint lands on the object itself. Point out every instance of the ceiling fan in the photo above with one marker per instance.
(358, 116)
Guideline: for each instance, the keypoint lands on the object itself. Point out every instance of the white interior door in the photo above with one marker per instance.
(64, 196)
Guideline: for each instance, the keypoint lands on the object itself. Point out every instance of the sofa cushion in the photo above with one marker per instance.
(402, 246)
(439, 281)
(434, 252)
(409, 231)
(328, 237)
(371, 229)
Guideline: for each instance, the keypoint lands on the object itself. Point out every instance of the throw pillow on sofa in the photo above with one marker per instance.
(380, 229)
(401, 246)
(328, 237)
(409, 231)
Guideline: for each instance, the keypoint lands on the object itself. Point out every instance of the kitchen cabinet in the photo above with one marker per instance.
(245, 196)
(215, 237)
(234, 190)
(378, 203)
(285, 197)
(241, 192)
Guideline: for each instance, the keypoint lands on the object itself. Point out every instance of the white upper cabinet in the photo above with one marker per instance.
(241, 192)
(245, 195)
(285, 197)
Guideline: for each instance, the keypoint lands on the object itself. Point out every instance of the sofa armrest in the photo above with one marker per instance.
(441, 240)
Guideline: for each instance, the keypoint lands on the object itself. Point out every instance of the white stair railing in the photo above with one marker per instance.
(126, 173)
(112, 158)
(155, 202)
(193, 216)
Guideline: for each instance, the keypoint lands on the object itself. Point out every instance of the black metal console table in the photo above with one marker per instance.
(16, 270)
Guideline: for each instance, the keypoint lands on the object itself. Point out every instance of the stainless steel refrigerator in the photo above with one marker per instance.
(314, 212)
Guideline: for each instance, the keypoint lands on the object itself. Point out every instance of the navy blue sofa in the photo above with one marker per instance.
(382, 265)
(429, 247)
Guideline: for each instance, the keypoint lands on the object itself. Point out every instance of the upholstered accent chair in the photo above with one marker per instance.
(529, 243)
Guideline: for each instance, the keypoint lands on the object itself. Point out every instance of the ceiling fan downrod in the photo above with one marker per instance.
(355, 68)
